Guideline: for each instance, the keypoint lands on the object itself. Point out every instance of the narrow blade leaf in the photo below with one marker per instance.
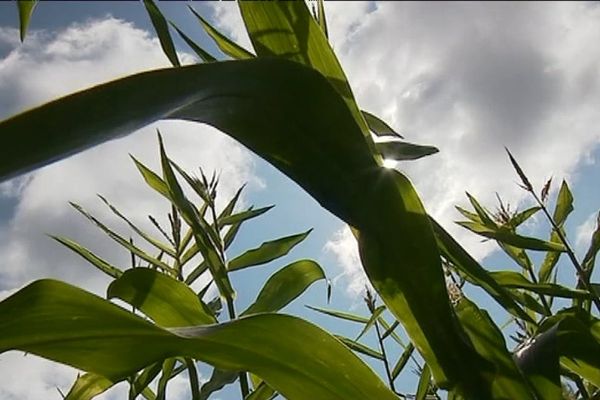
(404, 151)
(378, 126)
(162, 30)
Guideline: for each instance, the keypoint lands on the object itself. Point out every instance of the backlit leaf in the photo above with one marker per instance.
(378, 126)
(162, 29)
(404, 151)
(88, 386)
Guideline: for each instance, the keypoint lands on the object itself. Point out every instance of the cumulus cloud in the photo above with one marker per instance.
(51, 64)
(472, 78)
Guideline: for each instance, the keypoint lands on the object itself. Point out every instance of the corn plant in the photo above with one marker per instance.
(288, 101)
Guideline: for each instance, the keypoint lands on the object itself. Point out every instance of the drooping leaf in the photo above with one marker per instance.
(169, 302)
(162, 30)
(217, 381)
(360, 348)
(266, 252)
(26, 8)
(226, 45)
(88, 386)
(66, 324)
(506, 380)
(404, 151)
(507, 236)
(285, 285)
(93, 259)
(378, 126)
(340, 314)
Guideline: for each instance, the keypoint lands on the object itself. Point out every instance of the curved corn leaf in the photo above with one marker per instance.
(285, 285)
(512, 279)
(262, 392)
(25, 8)
(162, 30)
(143, 380)
(66, 324)
(340, 314)
(378, 126)
(88, 386)
(226, 45)
(506, 379)
(505, 235)
(267, 252)
(200, 52)
(404, 151)
(169, 302)
(564, 207)
(93, 259)
(217, 381)
(360, 348)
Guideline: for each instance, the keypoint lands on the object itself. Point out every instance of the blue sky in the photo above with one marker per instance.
(469, 78)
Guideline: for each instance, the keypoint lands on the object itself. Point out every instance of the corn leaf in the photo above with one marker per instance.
(25, 8)
(403, 360)
(243, 216)
(88, 386)
(285, 285)
(66, 324)
(267, 251)
(169, 302)
(512, 279)
(162, 29)
(378, 126)
(200, 52)
(360, 348)
(217, 381)
(424, 384)
(372, 320)
(404, 151)
(340, 314)
(93, 259)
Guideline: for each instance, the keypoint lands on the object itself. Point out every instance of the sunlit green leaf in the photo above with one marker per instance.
(404, 151)
(266, 252)
(169, 302)
(482, 212)
(226, 45)
(162, 29)
(88, 386)
(512, 279)
(143, 380)
(66, 324)
(285, 285)
(523, 216)
(401, 363)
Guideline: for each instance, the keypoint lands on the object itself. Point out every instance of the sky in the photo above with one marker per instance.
(468, 77)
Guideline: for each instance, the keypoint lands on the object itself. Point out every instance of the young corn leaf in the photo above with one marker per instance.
(404, 151)
(66, 324)
(564, 207)
(266, 252)
(226, 45)
(162, 30)
(483, 214)
(340, 314)
(403, 360)
(123, 242)
(473, 217)
(93, 259)
(143, 380)
(390, 331)
(262, 392)
(529, 302)
(169, 302)
(506, 236)
(424, 384)
(378, 126)
(285, 285)
(523, 216)
(156, 243)
(25, 8)
(360, 348)
(193, 219)
(152, 179)
(88, 386)
(167, 373)
(371, 321)
(200, 52)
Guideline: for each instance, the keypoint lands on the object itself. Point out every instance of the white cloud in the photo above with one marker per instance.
(472, 78)
(51, 64)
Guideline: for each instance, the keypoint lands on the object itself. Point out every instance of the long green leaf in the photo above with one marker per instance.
(169, 302)
(88, 386)
(167, 374)
(243, 216)
(226, 45)
(66, 324)
(26, 8)
(424, 384)
(93, 259)
(267, 251)
(372, 321)
(340, 314)
(143, 380)
(507, 236)
(512, 279)
(200, 52)
(360, 348)
(162, 29)
(401, 363)
(285, 285)
(404, 151)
